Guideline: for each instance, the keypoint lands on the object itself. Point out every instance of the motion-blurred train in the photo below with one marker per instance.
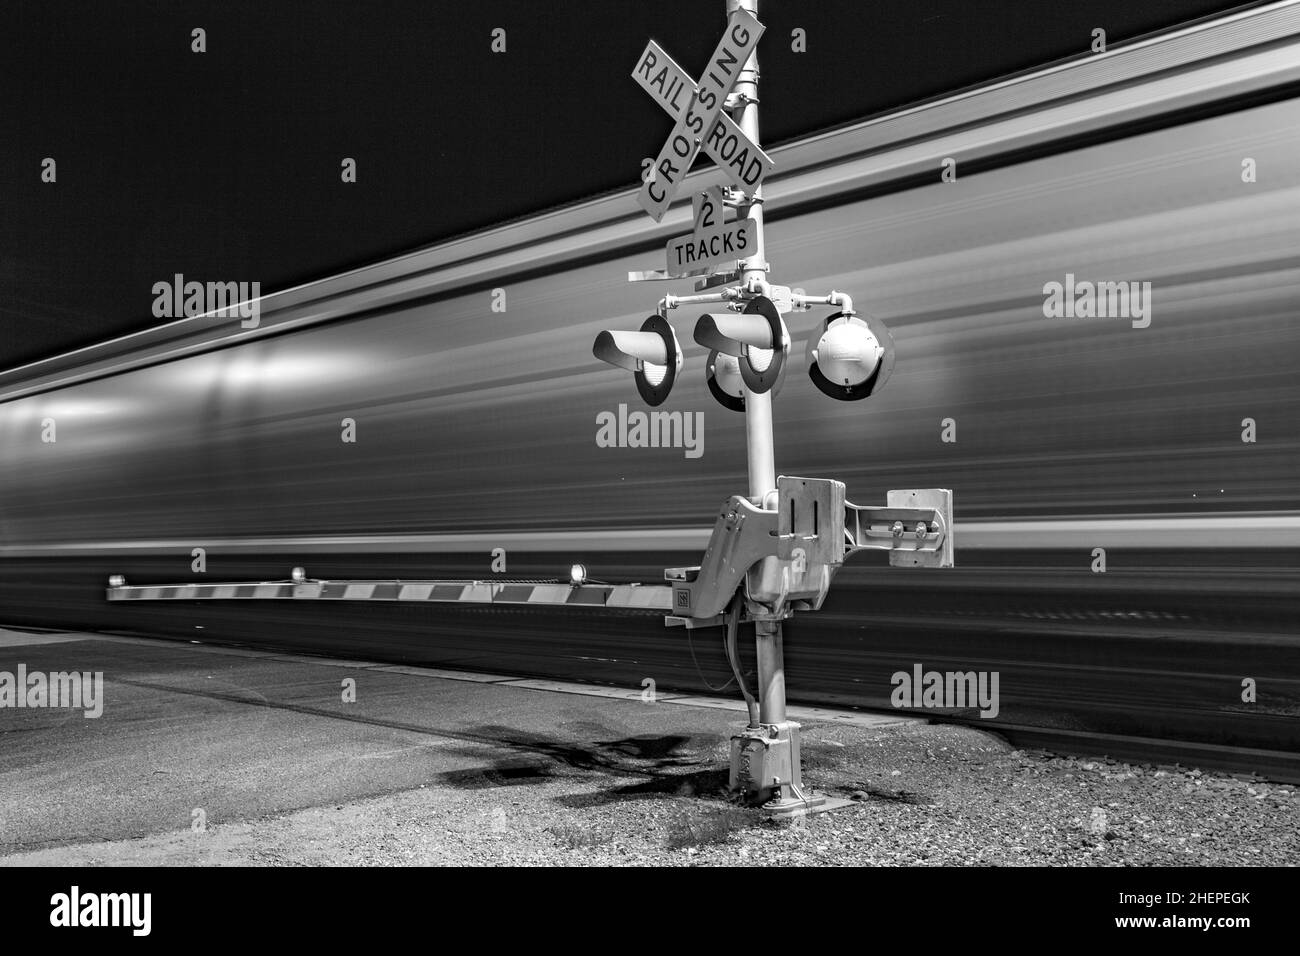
(1170, 441)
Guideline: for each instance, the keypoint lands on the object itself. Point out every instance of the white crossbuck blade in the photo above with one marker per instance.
(699, 116)
(725, 144)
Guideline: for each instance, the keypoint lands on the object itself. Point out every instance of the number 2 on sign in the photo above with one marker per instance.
(707, 204)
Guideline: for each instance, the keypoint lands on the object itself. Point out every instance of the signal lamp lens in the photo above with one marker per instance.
(848, 354)
(654, 374)
(851, 358)
(725, 382)
(759, 359)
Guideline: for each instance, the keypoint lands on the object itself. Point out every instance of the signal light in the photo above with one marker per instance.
(725, 384)
(653, 355)
(577, 575)
(852, 358)
(757, 339)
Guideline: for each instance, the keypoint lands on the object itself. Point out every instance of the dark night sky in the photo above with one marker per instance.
(225, 165)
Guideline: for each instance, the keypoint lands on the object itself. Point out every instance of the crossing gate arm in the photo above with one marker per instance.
(784, 558)
(632, 597)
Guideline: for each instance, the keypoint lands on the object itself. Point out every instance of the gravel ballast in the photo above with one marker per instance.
(922, 795)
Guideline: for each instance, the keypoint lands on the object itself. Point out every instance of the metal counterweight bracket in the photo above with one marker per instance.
(787, 557)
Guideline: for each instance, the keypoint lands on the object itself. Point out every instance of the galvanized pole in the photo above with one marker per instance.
(758, 408)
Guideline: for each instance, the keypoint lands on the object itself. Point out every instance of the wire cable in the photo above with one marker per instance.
(733, 625)
(717, 690)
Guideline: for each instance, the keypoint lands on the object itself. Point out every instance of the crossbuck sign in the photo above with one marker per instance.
(701, 122)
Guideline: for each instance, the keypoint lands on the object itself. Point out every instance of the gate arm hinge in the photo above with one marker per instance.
(742, 536)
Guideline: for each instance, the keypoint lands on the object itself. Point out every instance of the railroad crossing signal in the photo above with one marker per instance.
(774, 551)
(697, 120)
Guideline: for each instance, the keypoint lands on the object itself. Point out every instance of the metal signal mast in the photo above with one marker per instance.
(775, 550)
